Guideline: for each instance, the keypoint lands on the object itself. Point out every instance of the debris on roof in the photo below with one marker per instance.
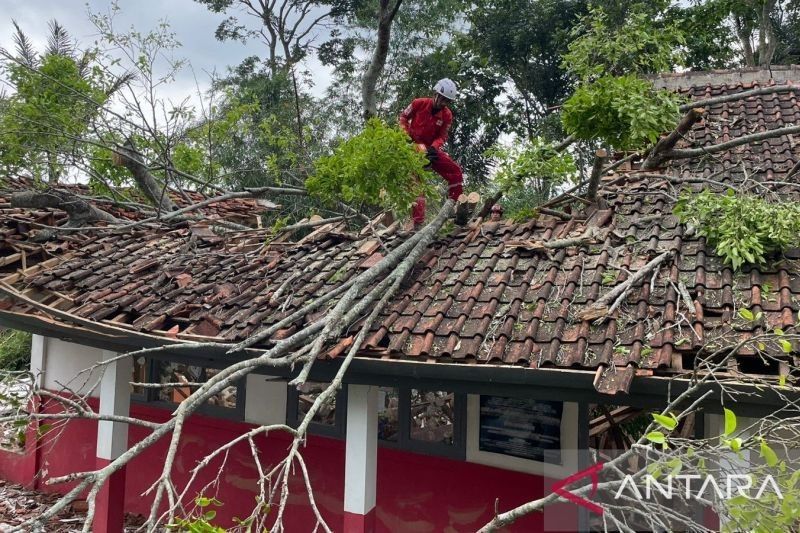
(494, 293)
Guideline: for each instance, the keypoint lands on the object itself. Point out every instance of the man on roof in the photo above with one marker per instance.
(427, 121)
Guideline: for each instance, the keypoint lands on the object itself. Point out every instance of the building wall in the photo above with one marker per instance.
(64, 369)
(415, 492)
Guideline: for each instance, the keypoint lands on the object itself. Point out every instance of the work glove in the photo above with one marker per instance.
(432, 154)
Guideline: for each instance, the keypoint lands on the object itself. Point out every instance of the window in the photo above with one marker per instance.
(183, 379)
(307, 394)
(422, 421)
(186, 379)
(329, 420)
(522, 434)
(432, 416)
(521, 427)
(141, 374)
(388, 414)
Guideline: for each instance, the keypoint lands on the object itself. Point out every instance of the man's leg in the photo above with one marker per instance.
(418, 211)
(451, 172)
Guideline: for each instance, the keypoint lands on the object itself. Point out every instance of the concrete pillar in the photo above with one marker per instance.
(112, 441)
(361, 459)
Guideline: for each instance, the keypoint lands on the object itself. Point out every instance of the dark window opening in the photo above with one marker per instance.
(329, 419)
(307, 394)
(432, 416)
(180, 380)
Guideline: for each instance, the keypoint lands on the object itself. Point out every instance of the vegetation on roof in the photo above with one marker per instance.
(742, 228)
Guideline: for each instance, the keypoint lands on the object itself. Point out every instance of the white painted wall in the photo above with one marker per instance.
(58, 364)
(265, 400)
(569, 445)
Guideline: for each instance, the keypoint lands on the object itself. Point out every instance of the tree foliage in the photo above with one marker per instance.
(524, 43)
(743, 229)
(624, 112)
(379, 166)
(613, 103)
(56, 96)
(15, 350)
(640, 45)
(535, 164)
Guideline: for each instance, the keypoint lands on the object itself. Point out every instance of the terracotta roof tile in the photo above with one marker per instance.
(471, 298)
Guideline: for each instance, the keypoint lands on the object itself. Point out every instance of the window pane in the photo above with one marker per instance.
(388, 406)
(432, 416)
(179, 373)
(307, 394)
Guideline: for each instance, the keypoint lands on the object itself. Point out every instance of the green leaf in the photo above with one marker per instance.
(656, 437)
(209, 515)
(768, 454)
(746, 314)
(786, 346)
(202, 502)
(734, 444)
(730, 422)
(654, 470)
(675, 465)
(782, 380)
(667, 422)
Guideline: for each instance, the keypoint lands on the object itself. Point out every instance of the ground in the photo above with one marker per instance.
(18, 505)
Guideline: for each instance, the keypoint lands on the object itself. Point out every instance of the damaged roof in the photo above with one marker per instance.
(20, 226)
(487, 294)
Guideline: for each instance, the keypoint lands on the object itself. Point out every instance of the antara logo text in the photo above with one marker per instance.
(691, 486)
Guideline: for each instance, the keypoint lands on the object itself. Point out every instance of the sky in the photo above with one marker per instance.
(193, 24)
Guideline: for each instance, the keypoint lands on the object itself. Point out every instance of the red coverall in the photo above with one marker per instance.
(429, 128)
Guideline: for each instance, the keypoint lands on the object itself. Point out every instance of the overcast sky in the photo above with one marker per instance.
(193, 24)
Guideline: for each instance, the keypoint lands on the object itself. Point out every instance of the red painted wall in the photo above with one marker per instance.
(415, 492)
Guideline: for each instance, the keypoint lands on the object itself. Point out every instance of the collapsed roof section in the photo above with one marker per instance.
(521, 295)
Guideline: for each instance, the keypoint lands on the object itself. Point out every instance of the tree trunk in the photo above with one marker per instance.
(298, 116)
(80, 211)
(744, 39)
(600, 157)
(52, 169)
(386, 16)
(128, 157)
(767, 41)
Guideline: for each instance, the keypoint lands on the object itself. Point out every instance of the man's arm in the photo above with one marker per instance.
(441, 136)
(406, 116)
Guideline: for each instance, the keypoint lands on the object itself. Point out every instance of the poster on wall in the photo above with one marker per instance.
(529, 429)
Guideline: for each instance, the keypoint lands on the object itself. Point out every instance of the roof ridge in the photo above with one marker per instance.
(695, 78)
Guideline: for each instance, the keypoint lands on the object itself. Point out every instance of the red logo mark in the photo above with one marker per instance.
(592, 471)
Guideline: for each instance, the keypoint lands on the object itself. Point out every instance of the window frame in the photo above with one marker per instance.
(150, 395)
(339, 428)
(569, 443)
(457, 450)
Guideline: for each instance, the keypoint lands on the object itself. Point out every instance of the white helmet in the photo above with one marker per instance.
(447, 88)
